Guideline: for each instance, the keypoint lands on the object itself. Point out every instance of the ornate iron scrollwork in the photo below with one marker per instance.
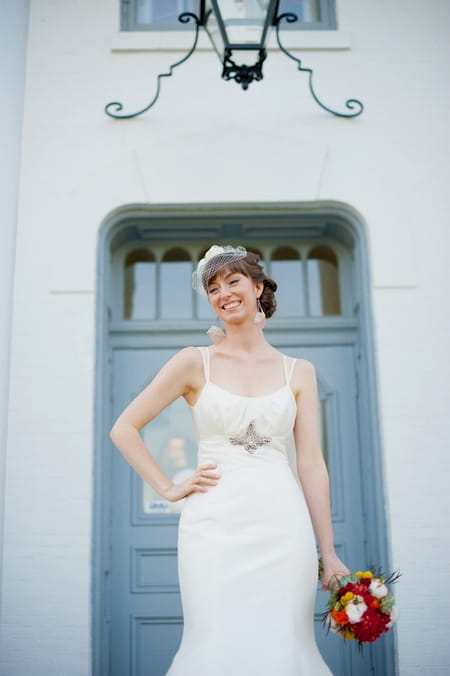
(243, 75)
(114, 107)
(351, 104)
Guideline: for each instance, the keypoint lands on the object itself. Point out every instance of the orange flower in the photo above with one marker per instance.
(340, 616)
(375, 603)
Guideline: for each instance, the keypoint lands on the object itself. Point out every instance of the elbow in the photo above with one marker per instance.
(121, 431)
(114, 432)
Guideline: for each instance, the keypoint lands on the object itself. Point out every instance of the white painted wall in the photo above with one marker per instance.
(207, 141)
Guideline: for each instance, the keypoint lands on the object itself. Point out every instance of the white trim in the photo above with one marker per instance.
(354, 232)
(172, 41)
(13, 54)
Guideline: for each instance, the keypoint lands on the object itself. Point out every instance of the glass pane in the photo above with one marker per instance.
(243, 21)
(286, 270)
(323, 282)
(161, 11)
(176, 285)
(139, 285)
(171, 440)
(306, 10)
(204, 308)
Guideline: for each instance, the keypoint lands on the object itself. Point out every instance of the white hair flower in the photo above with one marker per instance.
(214, 259)
(213, 250)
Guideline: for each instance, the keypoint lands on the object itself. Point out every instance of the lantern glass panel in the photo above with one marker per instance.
(234, 23)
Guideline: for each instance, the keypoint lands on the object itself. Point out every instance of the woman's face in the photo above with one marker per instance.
(233, 296)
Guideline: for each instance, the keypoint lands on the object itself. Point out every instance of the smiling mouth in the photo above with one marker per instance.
(230, 306)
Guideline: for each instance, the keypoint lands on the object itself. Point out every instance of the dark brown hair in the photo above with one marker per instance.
(250, 267)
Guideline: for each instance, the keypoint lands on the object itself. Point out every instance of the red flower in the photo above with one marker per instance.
(368, 619)
(371, 626)
(358, 588)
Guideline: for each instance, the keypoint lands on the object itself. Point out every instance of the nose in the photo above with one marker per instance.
(224, 292)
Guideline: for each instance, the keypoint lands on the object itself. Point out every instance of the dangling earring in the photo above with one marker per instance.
(260, 316)
(215, 332)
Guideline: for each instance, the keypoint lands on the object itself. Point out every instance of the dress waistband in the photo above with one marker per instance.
(221, 448)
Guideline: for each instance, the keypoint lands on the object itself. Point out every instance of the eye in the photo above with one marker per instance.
(212, 289)
(234, 281)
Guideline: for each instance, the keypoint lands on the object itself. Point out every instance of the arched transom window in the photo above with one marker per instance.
(156, 283)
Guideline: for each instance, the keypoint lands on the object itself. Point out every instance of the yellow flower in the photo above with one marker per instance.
(349, 635)
(346, 598)
(366, 575)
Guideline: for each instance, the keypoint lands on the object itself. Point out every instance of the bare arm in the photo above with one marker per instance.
(312, 471)
(180, 376)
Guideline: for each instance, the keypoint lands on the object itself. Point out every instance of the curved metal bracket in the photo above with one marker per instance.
(117, 107)
(351, 104)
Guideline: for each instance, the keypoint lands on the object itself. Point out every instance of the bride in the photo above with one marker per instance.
(247, 558)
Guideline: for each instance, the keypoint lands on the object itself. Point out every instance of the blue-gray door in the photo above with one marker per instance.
(154, 312)
(146, 616)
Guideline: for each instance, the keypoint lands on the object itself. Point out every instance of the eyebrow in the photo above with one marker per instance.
(235, 272)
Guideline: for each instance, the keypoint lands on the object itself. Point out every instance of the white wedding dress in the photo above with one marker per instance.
(247, 559)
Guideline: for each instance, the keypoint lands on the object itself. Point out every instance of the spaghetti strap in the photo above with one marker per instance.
(288, 371)
(204, 351)
(285, 366)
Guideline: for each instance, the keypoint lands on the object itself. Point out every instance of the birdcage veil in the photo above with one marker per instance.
(214, 259)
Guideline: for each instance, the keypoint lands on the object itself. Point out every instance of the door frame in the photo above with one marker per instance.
(234, 222)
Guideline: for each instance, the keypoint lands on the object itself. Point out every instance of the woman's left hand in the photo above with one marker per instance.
(332, 568)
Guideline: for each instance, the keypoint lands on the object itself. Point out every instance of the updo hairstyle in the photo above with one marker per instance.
(250, 267)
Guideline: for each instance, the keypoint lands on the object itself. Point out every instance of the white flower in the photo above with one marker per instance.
(377, 588)
(333, 625)
(214, 250)
(394, 616)
(355, 609)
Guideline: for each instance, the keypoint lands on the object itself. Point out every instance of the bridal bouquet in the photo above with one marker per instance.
(361, 606)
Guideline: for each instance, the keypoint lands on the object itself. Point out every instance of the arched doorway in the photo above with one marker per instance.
(147, 311)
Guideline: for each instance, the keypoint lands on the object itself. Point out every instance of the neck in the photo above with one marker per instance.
(246, 338)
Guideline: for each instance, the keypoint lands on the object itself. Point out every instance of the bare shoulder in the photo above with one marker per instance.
(304, 378)
(188, 356)
(189, 364)
(304, 367)
(185, 365)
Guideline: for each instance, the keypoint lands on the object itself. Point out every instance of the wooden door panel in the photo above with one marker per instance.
(340, 437)
(146, 617)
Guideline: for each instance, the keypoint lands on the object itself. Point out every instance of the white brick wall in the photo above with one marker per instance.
(206, 140)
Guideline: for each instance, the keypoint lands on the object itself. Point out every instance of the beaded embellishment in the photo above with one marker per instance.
(250, 440)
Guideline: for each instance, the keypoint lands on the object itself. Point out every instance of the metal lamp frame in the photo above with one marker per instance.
(242, 74)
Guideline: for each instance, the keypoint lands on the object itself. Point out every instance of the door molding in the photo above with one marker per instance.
(212, 222)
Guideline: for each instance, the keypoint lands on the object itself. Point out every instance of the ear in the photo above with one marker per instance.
(259, 287)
